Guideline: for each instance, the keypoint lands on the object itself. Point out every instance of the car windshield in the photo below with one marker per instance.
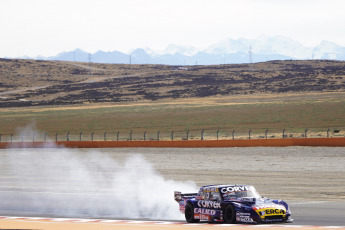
(235, 192)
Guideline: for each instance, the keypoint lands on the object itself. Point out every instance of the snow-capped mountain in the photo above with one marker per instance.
(226, 51)
(329, 50)
(228, 46)
(184, 50)
(263, 46)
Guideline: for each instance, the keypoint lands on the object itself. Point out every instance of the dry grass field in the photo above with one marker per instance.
(80, 97)
(293, 112)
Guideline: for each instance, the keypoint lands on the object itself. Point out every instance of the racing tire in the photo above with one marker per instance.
(229, 215)
(189, 214)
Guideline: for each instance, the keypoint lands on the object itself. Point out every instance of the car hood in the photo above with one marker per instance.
(262, 204)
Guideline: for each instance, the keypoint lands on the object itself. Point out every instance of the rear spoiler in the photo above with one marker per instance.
(181, 196)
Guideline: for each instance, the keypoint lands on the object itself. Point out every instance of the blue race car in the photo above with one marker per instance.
(231, 204)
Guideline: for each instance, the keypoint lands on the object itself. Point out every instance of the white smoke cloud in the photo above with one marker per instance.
(27, 132)
(85, 183)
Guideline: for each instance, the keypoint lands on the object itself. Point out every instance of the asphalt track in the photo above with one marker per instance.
(14, 201)
(320, 213)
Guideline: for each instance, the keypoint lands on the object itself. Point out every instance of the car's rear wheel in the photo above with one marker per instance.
(229, 214)
(189, 214)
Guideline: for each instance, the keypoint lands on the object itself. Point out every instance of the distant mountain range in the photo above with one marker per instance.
(224, 52)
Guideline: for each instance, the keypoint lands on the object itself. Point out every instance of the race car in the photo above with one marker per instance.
(231, 204)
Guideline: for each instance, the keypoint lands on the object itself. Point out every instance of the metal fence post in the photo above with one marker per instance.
(158, 135)
(249, 133)
(92, 136)
(145, 136)
(11, 137)
(45, 137)
(266, 133)
(187, 135)
(68, 136)
(327, 134)
(233, 134)
(202, 134)
(172, 135)
(117, 135)
(80, 135)
(105, 136)
(130, 135)
(283, 133)
(305, 133)
(217, 134)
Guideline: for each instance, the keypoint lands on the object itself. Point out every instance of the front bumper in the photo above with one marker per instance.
(256, 218)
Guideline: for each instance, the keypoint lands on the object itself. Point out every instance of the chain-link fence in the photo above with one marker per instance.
(204, 134)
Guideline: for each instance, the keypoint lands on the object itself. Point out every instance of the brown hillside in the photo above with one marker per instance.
(29, 82)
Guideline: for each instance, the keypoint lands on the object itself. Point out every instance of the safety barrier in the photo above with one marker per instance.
(332, 142)
(177, 135)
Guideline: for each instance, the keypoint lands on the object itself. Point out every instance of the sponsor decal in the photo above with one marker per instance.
(182, 206)
(242, 214)
(205, 211)
(270, 210)
(274, 211)
(210, 189)
(235, 189)
(201, 217)
(208, 204)
(243, 217)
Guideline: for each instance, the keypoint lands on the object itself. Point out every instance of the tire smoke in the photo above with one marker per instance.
(85, 183)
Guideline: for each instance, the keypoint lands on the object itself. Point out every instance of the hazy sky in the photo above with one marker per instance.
(47, 27)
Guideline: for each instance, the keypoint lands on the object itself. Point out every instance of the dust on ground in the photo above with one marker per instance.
(290, 173)
(295, 173)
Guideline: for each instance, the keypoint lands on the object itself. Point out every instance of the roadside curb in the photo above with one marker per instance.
(106, 221)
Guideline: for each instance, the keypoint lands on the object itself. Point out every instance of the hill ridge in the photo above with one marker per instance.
(30, 82)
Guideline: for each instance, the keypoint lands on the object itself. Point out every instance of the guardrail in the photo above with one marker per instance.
(185, 135)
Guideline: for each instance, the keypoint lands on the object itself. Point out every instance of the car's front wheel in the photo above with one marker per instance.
(189, 214)
(229, 214)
